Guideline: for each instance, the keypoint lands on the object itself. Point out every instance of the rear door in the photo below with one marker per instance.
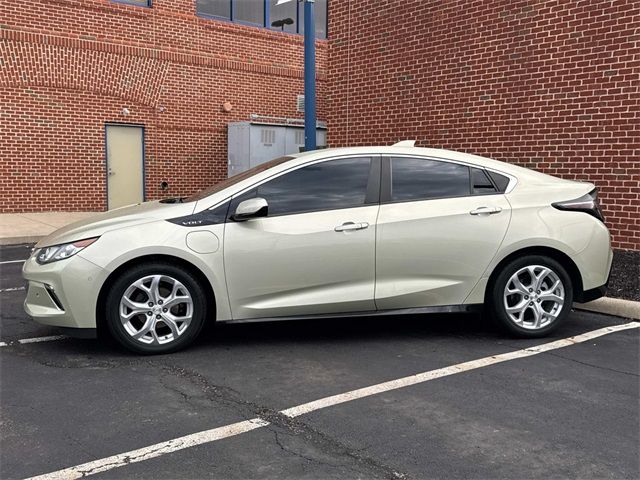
(315, 251)
(439, 226)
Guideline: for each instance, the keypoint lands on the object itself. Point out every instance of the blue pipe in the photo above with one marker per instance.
(309, 77)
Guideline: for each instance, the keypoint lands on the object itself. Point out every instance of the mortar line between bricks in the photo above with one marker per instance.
(219, 433)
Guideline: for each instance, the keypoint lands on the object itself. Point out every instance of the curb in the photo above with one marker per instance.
(20, 240)
(612, 306)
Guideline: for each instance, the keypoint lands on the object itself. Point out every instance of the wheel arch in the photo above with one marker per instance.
(190, 267)
(559, 256)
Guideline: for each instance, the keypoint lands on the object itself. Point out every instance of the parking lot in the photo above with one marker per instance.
(450, 397)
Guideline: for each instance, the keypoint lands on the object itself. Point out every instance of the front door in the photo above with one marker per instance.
(315, 251)
(125, 184)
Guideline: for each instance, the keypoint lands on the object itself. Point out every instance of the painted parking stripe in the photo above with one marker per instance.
(212, 435)
(24, 341)
(12, 289)
(12, 261)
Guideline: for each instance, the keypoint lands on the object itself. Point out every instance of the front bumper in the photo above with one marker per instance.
(63, 293)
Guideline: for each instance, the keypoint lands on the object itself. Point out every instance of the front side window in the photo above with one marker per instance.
(423, 179)
(329, 185)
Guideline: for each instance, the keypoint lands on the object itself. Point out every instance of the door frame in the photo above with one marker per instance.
(106, 159)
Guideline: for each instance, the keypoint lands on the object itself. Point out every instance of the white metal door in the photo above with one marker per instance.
(125, 163)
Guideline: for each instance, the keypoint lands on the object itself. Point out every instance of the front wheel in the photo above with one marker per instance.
(532, 296)
(155, 308)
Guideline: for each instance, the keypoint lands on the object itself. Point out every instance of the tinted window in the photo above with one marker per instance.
(480, 182)
(216, 8)
(501, 181)
(323, 186)
(420, 179)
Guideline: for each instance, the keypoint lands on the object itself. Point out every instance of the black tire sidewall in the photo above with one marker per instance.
(129, 276)
(498, 311)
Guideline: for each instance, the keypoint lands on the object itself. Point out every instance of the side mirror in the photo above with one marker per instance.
(251, 208)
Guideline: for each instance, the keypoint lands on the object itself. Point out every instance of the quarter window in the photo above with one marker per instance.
(328, 185)
(422, 179)
(480, 182)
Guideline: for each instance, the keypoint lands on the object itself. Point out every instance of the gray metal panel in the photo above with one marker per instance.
(238, 148)
(266, 143)
(250, 144)
(295, 139)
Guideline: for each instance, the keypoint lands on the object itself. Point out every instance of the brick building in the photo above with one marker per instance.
(69, 69)
(549, 84)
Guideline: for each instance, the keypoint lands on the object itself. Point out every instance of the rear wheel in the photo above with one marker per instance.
(532, 296)
(155, 308)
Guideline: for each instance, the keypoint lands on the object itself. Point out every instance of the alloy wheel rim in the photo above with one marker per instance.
(534, 297)
(156, 309)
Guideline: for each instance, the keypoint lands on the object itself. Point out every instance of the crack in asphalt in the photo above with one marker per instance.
(586, 364)
(247, 409)
(623, 372)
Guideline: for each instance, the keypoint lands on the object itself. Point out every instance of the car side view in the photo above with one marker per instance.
(337, 232)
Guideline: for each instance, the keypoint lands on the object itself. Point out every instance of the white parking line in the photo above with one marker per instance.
(12, 289)
(12, 261)
(23, 341)
(208, 436)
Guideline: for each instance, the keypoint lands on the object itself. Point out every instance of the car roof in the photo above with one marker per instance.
(402, 150)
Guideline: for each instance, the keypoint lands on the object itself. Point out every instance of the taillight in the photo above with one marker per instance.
(587, 203)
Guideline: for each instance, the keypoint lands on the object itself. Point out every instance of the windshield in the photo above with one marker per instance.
(236, 179)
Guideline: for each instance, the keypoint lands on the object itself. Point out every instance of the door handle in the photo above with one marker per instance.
(485, 211)
(348, 226)
(111, 173)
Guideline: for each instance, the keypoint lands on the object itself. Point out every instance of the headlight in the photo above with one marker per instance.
(60, 252)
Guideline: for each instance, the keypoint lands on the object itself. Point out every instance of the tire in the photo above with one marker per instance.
(532, 307)
(155, 308)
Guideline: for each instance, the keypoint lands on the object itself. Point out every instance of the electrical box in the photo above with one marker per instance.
(250, 144)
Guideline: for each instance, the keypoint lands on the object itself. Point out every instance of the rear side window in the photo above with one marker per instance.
(423, 179)
(329, 185)
(481, 183)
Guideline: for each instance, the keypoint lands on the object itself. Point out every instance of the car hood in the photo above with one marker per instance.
(118, 218)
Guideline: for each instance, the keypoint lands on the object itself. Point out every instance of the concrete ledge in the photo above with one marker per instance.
(17, 228)
(612, 306)
(20, 240)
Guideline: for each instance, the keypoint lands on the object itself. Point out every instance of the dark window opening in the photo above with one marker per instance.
(501, 181)
(330, 185)
(423, 179)
(480, 182)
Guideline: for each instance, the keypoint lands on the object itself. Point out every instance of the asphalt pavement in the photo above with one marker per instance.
(570, 412)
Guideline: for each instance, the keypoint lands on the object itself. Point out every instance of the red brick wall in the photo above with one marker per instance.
(551, 85)
(67, 67)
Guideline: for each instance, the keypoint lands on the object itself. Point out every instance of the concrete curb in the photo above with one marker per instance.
(612, 306)
(20, 240)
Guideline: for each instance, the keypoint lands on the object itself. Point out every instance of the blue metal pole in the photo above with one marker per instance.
(309, 77)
